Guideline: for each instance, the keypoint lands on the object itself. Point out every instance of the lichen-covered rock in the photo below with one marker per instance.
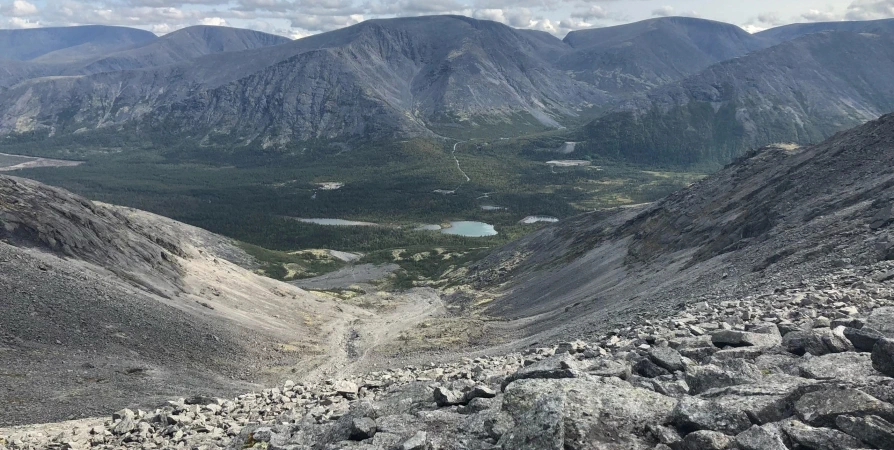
(760, 438)
(694, 414)
(883, 356)
(560, 366)
(873, 430)
(809, 437)
(594, 414)
(882, 320)
(821, 408)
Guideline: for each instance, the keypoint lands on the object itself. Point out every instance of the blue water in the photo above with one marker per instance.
(470, 229)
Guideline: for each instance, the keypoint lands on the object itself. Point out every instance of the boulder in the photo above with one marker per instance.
(837, 365)
(766, 402)
(809, 437)
(706, 440)
(362, 428)
(882, 320)
(694, 414)
(610, 368)
(478, 391)
(560, 366)
(731, 373)
(863, 339)
(883, 356)
(582, 413)
(822, 407)
(872, 430)
(346, 389)
(735, 338)
(447, 397)
(542, 422)
(419, 441)
(760, 438)
(810, 341)
(667, 358)
(649, 369)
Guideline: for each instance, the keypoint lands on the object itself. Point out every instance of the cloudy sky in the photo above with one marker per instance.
(297, 18)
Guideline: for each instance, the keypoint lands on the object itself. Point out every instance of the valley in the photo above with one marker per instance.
(446, 233)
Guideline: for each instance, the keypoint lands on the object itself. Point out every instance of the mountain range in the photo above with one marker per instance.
(669, 89)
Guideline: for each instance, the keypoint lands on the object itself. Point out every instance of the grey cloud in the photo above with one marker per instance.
(870, 9)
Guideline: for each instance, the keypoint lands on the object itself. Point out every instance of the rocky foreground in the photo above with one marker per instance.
(806, 367)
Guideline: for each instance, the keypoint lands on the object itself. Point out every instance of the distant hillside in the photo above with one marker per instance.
(800, 91)
(182, 45)
(784, 33)
(642, 55)
(68, 43)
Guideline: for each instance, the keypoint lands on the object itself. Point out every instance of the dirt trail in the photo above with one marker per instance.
(352, 347)
(458, 166)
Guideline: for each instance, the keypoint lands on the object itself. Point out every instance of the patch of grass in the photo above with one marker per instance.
(288, 266)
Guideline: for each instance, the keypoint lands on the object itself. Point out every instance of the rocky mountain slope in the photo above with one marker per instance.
(776, 216)
(805, 368)
(637, 57)
(423, 76)
(800, 91)
(108, 307)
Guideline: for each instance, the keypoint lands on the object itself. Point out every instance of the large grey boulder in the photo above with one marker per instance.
(362, 428)
(731, 373)
(863, 339)
(543, 421)
(735, 338)
(760, 438)
(809, 437)
(560, 366)
(610, 368)
(883, 356)
(822, 407)
(694, 414)
(706, 440)
(447, 397)
(582, 413)
(769, 401)
(882, 320)
(817, 342)
(848, 365)
(873, 430)
(667, 358)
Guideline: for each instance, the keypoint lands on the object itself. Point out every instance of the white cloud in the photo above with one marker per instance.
(815, 15)
(19, 8)
(18, 22)
(664, 11)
